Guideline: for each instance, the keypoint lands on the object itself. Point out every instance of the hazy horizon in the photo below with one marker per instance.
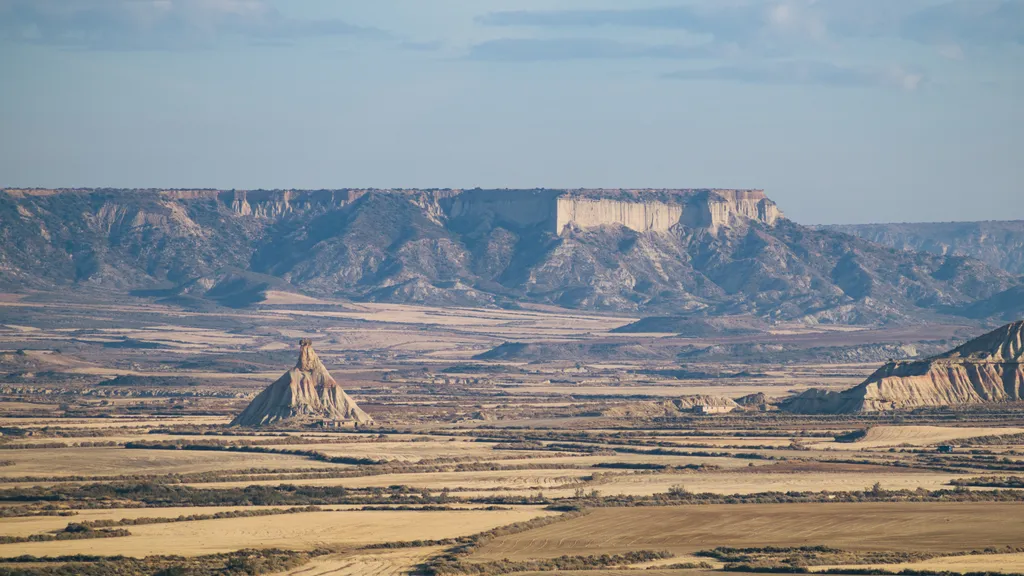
(843, 111)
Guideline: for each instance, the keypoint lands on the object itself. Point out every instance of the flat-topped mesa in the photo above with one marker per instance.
(987, 369)
(556, 210)
(642, 210)
(306, 394)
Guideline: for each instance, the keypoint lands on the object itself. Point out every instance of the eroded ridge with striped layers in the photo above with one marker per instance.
(306, 394)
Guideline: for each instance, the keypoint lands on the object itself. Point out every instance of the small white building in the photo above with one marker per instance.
(704, 409)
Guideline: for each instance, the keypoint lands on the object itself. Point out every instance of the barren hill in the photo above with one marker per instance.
(703, 252)
(306, 393)
(694, 403)
(986, 369)
(997, 243)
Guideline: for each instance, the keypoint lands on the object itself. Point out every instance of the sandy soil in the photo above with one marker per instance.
(667, 390)
(938, 527)
(137, 435)
(885, 436)
(292, 531)
(1013, 563)
(405, 451)
(115, 461)
(122, 422)
(25, 526)
(370, 563)
(510, 479)
(750, 483)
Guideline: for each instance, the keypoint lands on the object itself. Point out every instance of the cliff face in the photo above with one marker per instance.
(987, 369)
(641, 217)
(677, 252)
(659, 210)
(306, 393)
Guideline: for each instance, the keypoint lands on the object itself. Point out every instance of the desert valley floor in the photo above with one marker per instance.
(531, 440)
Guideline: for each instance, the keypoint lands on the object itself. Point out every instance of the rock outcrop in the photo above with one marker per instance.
(305, 394)
(757, 400)
(691, 404)
(987, 369)
(693, 253)
(704, 404)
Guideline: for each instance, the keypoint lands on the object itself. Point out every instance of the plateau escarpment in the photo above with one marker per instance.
(684, 252)
(556, 211)
(987, 369)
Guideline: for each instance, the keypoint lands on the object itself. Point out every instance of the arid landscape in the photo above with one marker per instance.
(552, 457)
(530, 287)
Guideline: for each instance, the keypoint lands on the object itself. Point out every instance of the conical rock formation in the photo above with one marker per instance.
(306, 393)
(986, 369)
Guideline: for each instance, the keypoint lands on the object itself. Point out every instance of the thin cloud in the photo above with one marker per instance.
(964, 22)
(557, 49)
(160, 24)
(806, 72)
(968, 22)
(723, 23)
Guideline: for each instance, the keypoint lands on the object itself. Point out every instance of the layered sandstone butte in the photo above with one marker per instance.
(987, 369)
(304, 394)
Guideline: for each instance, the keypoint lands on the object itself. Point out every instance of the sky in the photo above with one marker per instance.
(843, 111)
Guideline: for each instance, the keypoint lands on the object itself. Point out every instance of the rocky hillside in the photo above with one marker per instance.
(999, 244)
(987, 369)
(662, 252)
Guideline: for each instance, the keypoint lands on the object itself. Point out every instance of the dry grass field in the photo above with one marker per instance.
(463, 444)
(300, 531)
(889, 436)
(28, 525)
(374, 563)
(58, 462)
(1013, 563)
(932, 527)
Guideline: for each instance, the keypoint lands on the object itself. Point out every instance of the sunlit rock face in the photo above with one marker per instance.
(987, 369)
(306, 393)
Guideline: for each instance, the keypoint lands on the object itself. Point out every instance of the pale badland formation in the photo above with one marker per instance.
(987, 369)
(305, 394)
(557, 382)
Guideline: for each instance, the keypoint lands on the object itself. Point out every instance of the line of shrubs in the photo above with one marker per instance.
(72, 532)
(248, 562)
(991, 481)
(680, 496)
(311, 454)
(546, 565)
(193, 517)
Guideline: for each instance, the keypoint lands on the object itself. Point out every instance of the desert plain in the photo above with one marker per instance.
(530, 440)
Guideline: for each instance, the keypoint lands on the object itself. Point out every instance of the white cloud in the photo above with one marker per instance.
(157, 24)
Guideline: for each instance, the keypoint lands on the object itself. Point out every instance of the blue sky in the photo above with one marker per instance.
(843, 110)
